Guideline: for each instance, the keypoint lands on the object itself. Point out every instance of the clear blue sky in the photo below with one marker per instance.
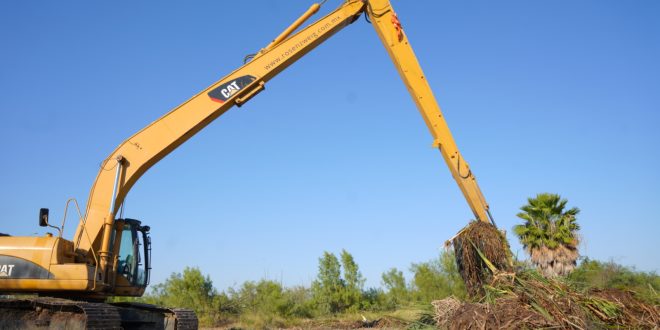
(542, 96)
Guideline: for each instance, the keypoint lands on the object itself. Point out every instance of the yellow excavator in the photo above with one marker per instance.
(110, 256)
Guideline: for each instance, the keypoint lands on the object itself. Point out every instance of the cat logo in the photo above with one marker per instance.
(5, 270)
(230, 90)
(225, 91)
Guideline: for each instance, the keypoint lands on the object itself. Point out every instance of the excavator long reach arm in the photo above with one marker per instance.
(138, 153)
(391, 33)
(89, 266)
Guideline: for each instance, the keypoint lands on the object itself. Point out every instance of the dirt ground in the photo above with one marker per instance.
(382, 323)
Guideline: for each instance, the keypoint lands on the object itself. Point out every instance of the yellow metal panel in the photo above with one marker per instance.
(34, 249)
(73, 272)
(39, 285)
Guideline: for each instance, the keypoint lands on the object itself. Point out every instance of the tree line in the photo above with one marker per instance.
(548, 234)
(339, 289)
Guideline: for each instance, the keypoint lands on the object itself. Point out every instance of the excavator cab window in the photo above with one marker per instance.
(134, 250)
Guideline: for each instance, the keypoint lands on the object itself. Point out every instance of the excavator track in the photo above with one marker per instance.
(55, 313)
(185, 319)
(172, 318)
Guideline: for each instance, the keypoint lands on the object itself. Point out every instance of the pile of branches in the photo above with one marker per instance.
(528, 300)
(525, 299)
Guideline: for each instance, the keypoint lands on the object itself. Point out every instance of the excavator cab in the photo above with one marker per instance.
(133, 252)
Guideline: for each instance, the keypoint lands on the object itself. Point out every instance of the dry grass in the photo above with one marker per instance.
(558, 261)
(399, 319)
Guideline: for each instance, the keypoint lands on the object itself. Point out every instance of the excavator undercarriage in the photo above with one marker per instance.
(57, 313)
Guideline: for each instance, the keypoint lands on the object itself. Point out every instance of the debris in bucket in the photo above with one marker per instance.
(481, 252)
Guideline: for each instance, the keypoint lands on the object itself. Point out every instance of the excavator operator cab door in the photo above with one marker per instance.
(133, 255)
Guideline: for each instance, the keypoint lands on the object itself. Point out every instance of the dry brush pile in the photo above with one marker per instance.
(526, 299)
(478, 248)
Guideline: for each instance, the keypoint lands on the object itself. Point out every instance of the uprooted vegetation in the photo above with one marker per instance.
(479, 249)
(504, 299)
(528, 300)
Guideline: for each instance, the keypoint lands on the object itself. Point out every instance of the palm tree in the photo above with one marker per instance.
(549, 234)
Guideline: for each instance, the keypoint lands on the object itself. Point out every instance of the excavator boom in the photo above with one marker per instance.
(138, 153)
(121, 170)
(92, 265)
(391, 33)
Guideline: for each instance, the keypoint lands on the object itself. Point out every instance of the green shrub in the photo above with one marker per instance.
(603, 275)
(437, 279)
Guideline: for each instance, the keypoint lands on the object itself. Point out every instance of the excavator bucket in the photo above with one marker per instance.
(481, 252)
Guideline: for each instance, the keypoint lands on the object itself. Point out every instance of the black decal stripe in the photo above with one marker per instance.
(21, 268)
